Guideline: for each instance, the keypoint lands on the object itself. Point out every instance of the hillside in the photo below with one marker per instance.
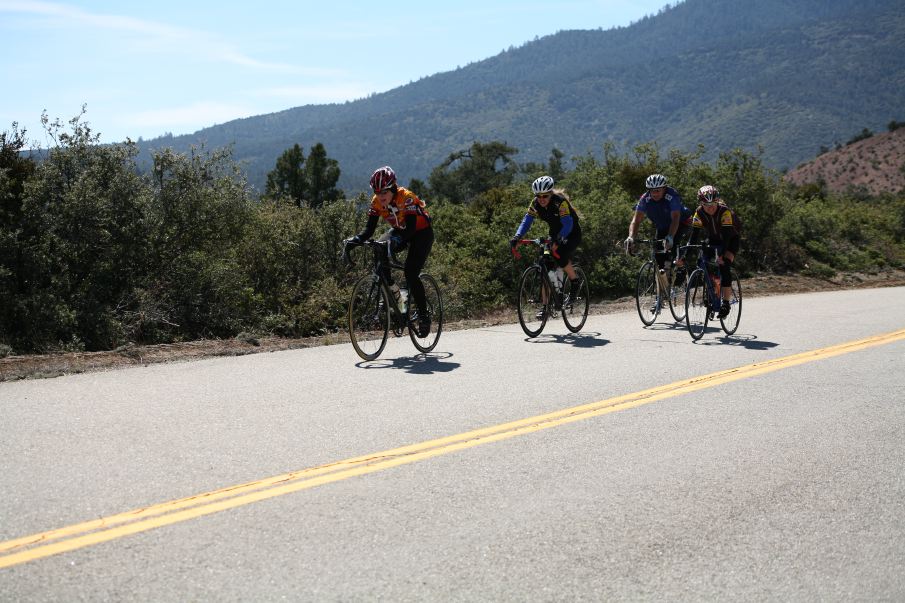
(787, 76)
(875, 165)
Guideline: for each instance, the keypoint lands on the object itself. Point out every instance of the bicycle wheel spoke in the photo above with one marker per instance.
(731, 320)
(369, 319)
(696, 306)
(434, 308)
(575, 302)
(679, 284)
(532, 311)
(646, 294)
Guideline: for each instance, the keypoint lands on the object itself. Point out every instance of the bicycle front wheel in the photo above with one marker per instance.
(678, 285)
(697, 308)
(646, 294)
(731, 320)
(369, 318)
(434, 308)
(532, 291)
(575, 302)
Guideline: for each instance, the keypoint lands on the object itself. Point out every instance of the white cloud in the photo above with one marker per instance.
(159, 36)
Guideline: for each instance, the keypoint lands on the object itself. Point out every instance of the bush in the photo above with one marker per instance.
(95, 255)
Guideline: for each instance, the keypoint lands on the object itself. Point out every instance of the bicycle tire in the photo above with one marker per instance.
(531, 289)
(731, 320)
(575, 310)
(434, 303)
(676, 295)
(369, 317)
(646, 294)
(697, 307)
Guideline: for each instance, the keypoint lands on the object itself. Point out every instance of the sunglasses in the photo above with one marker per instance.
(708, 203)
(543, 196)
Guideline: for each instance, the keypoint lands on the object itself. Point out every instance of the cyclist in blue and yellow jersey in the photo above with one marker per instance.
(663, 206)
(715, 222)
(554, 207)
(411, 228)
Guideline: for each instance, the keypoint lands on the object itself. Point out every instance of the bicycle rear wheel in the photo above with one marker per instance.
(646, 293)
(575, 302)
(532, 311)
(434, 307)
(731, 320)
(697, 308)
(369, 318)
(678, 281)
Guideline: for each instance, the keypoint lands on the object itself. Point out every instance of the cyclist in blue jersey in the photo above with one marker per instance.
(554, 207)
(663, 206)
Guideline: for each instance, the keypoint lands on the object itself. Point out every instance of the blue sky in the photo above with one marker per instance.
(145, 69)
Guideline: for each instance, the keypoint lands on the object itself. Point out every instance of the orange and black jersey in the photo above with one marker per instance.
(405, 212)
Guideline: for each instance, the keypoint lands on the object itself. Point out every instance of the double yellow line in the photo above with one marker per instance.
(45, 544)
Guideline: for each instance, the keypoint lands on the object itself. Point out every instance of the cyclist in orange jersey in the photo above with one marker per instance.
(411, 229)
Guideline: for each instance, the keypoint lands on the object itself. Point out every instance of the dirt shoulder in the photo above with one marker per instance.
(52, 365)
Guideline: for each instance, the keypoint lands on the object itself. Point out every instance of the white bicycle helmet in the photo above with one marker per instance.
(708, 194)
(542, 185)
(655, 181)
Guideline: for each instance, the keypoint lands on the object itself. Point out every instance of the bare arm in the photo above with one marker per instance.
(633, 225)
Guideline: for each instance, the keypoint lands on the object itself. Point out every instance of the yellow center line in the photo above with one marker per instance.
(45, 544)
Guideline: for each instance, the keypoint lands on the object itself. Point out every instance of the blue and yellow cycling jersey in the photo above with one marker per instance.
(560, 216)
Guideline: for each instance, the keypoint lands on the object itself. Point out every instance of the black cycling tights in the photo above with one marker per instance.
(725, 272)
(419, 248)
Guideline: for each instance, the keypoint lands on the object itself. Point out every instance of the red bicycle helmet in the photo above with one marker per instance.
(383, 179)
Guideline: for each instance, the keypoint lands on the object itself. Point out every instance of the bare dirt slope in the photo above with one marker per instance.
(876, 164)
(53, 365)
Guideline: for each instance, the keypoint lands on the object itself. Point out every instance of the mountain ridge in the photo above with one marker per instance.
(731, 76)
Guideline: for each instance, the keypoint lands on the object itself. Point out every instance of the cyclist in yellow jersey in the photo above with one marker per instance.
(715, 222)
(410, 228)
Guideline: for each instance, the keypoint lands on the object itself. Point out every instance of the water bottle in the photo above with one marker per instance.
(403, 299)
(397, 296)
(552, 275)
(559, 279)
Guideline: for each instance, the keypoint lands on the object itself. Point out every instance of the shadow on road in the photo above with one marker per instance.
(747, 341)
(666, 326)
(579, 340)
(420, 364)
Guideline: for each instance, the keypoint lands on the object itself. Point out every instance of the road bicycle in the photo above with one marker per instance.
(658, 286)
(543, 291)
(374, 309)
(703, 298)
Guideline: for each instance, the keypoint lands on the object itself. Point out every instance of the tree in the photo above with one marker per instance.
(321, 175)
(15, 171)
(288, 177)
(310, 182)
(554, 167)
(480, 168)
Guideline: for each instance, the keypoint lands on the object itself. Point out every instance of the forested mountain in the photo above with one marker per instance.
(789, 76)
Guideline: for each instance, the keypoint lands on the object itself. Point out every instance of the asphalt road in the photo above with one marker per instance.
(780, 481)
